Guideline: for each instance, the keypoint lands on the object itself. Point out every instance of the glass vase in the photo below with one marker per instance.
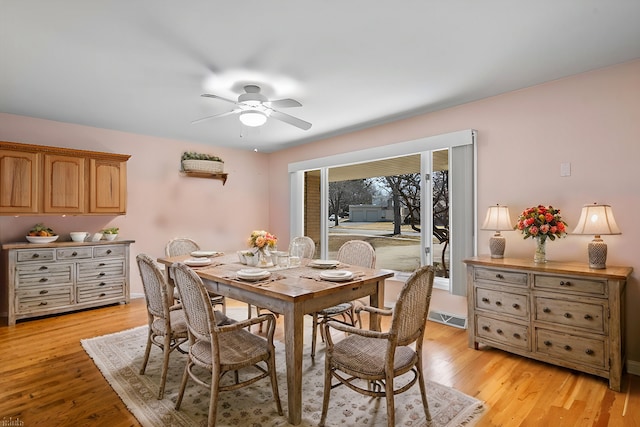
(264, 257)
(540, 255)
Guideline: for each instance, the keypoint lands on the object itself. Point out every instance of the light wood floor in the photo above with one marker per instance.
(47, 379)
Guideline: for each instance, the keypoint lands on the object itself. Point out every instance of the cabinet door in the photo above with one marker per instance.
(64, 187)
(18, 182)
(108, 186)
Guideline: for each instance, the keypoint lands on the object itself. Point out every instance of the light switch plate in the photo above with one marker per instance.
(565, 169)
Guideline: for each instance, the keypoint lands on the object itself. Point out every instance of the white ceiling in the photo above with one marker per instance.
(141, 65)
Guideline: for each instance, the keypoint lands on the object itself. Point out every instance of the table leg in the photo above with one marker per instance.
(293, 331)
(376, 300)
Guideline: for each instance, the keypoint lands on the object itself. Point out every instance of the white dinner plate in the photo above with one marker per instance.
(336, 275)
(205, 253)
(253, 274)
(197, 262)
(323, 263)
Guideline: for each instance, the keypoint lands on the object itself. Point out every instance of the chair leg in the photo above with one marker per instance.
(147, 352)
(183, 384)
(423, 391)
(274, 381)
(213, 401)
(391, 410)
(327, 389)
(166, 351)
(314, 334)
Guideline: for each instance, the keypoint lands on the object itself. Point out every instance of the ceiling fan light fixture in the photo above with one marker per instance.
(253, 118)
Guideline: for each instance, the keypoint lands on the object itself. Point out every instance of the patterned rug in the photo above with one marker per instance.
(119, 357)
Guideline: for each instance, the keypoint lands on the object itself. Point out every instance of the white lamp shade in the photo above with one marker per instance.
(253, 118)
(497, 219)
(598, 220)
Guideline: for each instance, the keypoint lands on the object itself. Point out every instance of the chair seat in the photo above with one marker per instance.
(336, 309)
(366, 356)
(237, 348)
(178, 324)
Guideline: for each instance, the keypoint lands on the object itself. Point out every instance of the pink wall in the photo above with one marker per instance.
(591, 120)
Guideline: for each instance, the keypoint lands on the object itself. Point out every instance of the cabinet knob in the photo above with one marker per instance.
(499, 331)
(563, 283)
(546, 310)
(547, 343)
(44, 279)
(499, 276)
(103, 294)
(43, 303)
(516, 305)
(485, 299)
(588, 317)
(485, 328)
(43, 268)
(567, 347)
(101, 264)
(499, 303)
(567, 315)
(102, 273)
(44, 291)
(516, 336)
(108, 251)
(101, 284)
(74, 253)
(589, 352)
(35, 256)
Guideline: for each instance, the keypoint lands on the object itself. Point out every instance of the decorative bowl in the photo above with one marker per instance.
(109, 236)
(42, 239)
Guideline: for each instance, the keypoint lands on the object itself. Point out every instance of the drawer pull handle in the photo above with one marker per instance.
(102, 273)
(485, 328)
(44, 279)
(547, 343)
(102, 264)
(44, 291)
(567, 315)
(44, 267)
(101, 284)
(74, 253)
(35, 256)
(499, 331)
(516, 305)
(43, 303)
(589, 352)
(567, 347)
(108, 251)
(499, 303)
(102, 294)
(588, 317)
(516, 336)
(546, 310)
(499, 276)
(563, 283)
(485, 300)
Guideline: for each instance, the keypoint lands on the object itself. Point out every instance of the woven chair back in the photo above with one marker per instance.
(308, 244)
(195, 301)
(357, 252)
(154, 285)
(181, 246)
(412, 307)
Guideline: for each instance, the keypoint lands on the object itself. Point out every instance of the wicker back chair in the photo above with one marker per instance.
(362, 355)
(184, 246)
(221, 349)
(167, 325)
(352, 252)
(307, 242)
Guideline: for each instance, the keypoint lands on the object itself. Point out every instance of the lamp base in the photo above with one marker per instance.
(497, 243)
(597, 253)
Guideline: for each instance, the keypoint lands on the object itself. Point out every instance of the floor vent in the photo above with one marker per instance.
(448, 319)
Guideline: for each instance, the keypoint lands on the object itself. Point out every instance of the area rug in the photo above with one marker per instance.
(119, 357)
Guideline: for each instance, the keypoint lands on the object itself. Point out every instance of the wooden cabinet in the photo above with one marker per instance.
(561, 313)
(42, 279)
(37, 179)
(18, 181)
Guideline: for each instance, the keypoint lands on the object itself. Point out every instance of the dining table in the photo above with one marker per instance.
(292, 292)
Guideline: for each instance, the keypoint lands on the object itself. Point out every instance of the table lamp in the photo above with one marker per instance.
(597, 220)
(497, 220)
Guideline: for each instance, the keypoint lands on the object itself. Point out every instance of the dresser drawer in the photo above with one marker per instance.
(66, 254)
(30, 275)
(501, 276)
(503, 332)
(101, 269)
(27, 255)
(502, 302)
(570, 313)
(571, 348)
(570, 284)
(96, 291)
(109, 251)
(43, 299)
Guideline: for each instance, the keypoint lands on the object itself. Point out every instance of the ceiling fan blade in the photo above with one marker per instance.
(208, 95)
(283, 103)
(291, 120)
(215, 116)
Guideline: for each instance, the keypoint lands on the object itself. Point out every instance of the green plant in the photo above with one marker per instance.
(112, 230)
(192, 155)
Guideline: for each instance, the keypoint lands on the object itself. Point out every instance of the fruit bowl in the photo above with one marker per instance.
(42, 239)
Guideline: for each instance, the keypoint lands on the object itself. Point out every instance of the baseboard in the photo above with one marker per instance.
(136, 295)
(633, 367)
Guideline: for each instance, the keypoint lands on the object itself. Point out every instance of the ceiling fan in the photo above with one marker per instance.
(254, 109)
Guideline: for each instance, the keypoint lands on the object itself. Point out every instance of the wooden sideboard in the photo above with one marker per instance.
(52, 278)
(561, 313)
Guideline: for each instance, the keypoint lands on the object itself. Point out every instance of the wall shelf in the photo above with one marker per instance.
(221, 176)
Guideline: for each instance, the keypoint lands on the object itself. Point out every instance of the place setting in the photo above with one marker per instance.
(256, 276)
(200, 259)
(331, 275)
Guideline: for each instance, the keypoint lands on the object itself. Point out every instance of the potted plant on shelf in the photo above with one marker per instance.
(198, 162)
(110, 233)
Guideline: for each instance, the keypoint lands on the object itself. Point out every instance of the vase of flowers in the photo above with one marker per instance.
(541, 223)
(263, 242)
